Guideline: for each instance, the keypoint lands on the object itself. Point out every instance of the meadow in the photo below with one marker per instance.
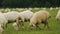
(53, 23)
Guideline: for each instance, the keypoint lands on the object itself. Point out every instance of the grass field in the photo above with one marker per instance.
(53, 23)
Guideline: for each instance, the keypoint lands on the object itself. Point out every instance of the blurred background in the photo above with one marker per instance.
(29, 3)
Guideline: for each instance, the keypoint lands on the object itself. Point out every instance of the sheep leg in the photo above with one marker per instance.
(46, 24)
(17, 21)
(2, 26)
(21, 24)
(37, 26)
(6, 25)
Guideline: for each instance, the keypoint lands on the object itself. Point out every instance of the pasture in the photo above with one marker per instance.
(53, 23)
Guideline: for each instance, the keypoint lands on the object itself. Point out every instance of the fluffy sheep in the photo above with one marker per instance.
(12, 16)
(39, 17)
(3, 20)
(58, 15)
(26, 15)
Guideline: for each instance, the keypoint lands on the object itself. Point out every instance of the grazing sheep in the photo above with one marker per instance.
(39, 17)
(3, 20)
(58, 15)
(25, 16)
(12, 16)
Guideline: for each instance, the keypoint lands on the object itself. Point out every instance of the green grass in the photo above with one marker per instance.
(53, 23)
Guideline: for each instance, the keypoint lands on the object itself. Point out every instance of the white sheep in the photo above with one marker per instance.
(58, 15)
(3, 20)
(7, 10)
(39, 17)
(25, 15)
(12, 16)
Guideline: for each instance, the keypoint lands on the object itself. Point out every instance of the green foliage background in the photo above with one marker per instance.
(29, 3)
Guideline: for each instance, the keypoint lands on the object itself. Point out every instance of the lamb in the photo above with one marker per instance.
(58, 15)
(39, 17)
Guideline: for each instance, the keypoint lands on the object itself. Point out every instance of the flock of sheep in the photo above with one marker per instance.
(18, 18)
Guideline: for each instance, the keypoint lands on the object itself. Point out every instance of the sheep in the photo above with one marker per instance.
(25, 16)
(1, 29)
(2, 10)
(20, 9)
(58, 15)
(12, 16)
(3, 20)
(43, 8)
(36, 8)
(41, 16)
(51, 8)
(57, 8)
(30, 8)
(7, 10)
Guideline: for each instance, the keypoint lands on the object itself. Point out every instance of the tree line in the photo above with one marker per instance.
(29, 3)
